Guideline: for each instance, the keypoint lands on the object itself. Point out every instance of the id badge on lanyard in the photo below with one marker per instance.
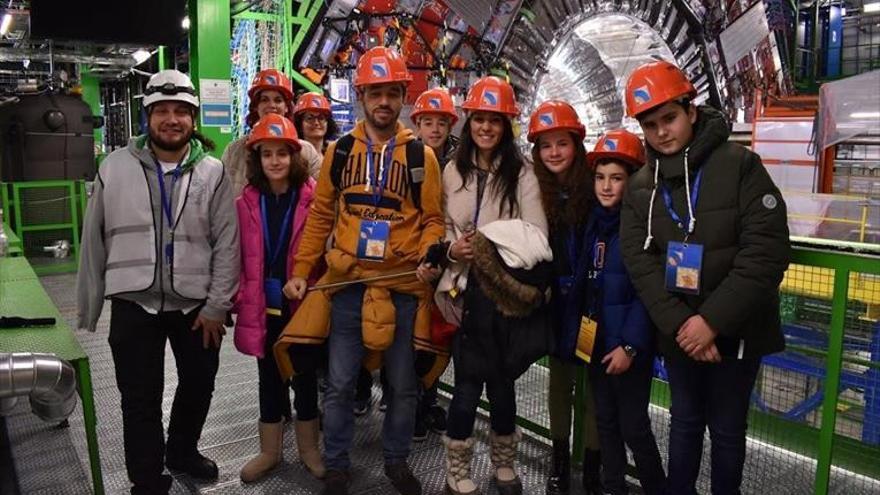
(165, 197)
(684, 260)
(374, 234)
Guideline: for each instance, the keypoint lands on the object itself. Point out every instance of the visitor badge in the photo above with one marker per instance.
(586, 338)
(274, 299)
(683, 265)
(372, 240)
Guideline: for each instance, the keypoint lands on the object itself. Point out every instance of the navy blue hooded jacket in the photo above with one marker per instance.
(607, 293)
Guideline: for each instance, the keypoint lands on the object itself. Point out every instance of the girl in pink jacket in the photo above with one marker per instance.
(272, 211)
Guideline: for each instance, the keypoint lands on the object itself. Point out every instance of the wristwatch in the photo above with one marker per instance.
(630, 350)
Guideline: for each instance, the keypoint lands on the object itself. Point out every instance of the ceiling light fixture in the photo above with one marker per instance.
(869, 8)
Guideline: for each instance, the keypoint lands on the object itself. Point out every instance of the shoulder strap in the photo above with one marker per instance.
(340, 156)
(415, 166)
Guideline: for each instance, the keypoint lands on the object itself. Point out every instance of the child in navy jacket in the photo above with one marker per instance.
(621, 365)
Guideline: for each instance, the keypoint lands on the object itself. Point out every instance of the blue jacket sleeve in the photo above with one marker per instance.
(637, 329)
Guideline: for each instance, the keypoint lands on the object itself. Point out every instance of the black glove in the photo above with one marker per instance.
(436, 255)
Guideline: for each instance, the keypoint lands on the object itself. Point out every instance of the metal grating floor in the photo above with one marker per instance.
(51, 460)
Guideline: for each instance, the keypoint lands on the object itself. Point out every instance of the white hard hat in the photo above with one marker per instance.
(170, 85)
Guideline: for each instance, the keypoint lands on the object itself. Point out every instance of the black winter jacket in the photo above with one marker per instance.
(742, 225)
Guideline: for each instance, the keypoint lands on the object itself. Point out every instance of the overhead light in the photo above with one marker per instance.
(185, 22)
(140, 56)
(865, 115)
(867, 8)
(7, 22)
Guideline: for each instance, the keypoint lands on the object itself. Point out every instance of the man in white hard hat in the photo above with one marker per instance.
(160, 241)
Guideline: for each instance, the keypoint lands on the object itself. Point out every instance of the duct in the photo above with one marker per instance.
(48, 380)
(17, 54)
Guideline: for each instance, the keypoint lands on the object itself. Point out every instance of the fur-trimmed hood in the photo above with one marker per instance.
(515, 292)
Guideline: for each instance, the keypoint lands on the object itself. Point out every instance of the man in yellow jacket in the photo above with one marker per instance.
(383, 213)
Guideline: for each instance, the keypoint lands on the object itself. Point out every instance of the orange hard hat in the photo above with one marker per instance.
(491, 94)
(272, 79)
(312, 102)
(381, 65)
(654, 84)
(555, 115)
(618, 144)
(437, 101)
(274, 127)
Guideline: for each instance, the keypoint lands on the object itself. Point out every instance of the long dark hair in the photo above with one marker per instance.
(299, 171)
(577, 183)
(506, 178)
(332, 128)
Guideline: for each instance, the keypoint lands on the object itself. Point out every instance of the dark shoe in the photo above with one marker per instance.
(361, 406)
(402, 479)
(161, 487)
(335, 482)
(558, 482)
(593, 472)
(421, 431)
(436, 419)
(196, 465)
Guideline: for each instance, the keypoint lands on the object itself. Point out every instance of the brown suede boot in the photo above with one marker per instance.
(270, 453)
(307, 446)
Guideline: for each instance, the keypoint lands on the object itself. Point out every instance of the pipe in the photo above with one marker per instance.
(48, 380)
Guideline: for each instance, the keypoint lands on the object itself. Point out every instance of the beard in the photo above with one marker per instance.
(170, 145)
(380, 125)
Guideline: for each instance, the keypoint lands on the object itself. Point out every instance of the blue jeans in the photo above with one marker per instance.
(717, 396)
(346, 353)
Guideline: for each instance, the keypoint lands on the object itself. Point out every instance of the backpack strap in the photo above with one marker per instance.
(415, 167)
(340, 157)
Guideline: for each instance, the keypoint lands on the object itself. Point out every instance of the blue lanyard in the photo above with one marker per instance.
(166, 196)
(273, 253)
(379, 188)
(667, 198)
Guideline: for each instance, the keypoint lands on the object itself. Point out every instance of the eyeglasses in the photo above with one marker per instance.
(314, 118)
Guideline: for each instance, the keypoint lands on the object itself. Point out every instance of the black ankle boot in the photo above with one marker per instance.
(592, 472)
(558, 482)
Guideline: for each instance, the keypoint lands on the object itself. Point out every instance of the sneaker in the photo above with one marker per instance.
(361, 406)
(421, 431)
(436, 419)
(402, 479)
(335, 482)
(383, 404)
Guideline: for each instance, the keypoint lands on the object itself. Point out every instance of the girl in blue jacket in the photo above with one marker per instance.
(621, 362)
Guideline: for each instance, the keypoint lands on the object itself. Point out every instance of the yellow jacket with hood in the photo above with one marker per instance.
(412, 230)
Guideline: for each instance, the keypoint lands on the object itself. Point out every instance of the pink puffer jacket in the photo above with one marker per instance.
(250, 302)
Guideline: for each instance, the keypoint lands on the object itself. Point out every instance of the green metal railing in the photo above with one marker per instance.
(29, 217)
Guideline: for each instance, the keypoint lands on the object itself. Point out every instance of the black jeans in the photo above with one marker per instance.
(717, 396)
(622, 418)
(466, 398)
(137, 341)
(273, 391)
